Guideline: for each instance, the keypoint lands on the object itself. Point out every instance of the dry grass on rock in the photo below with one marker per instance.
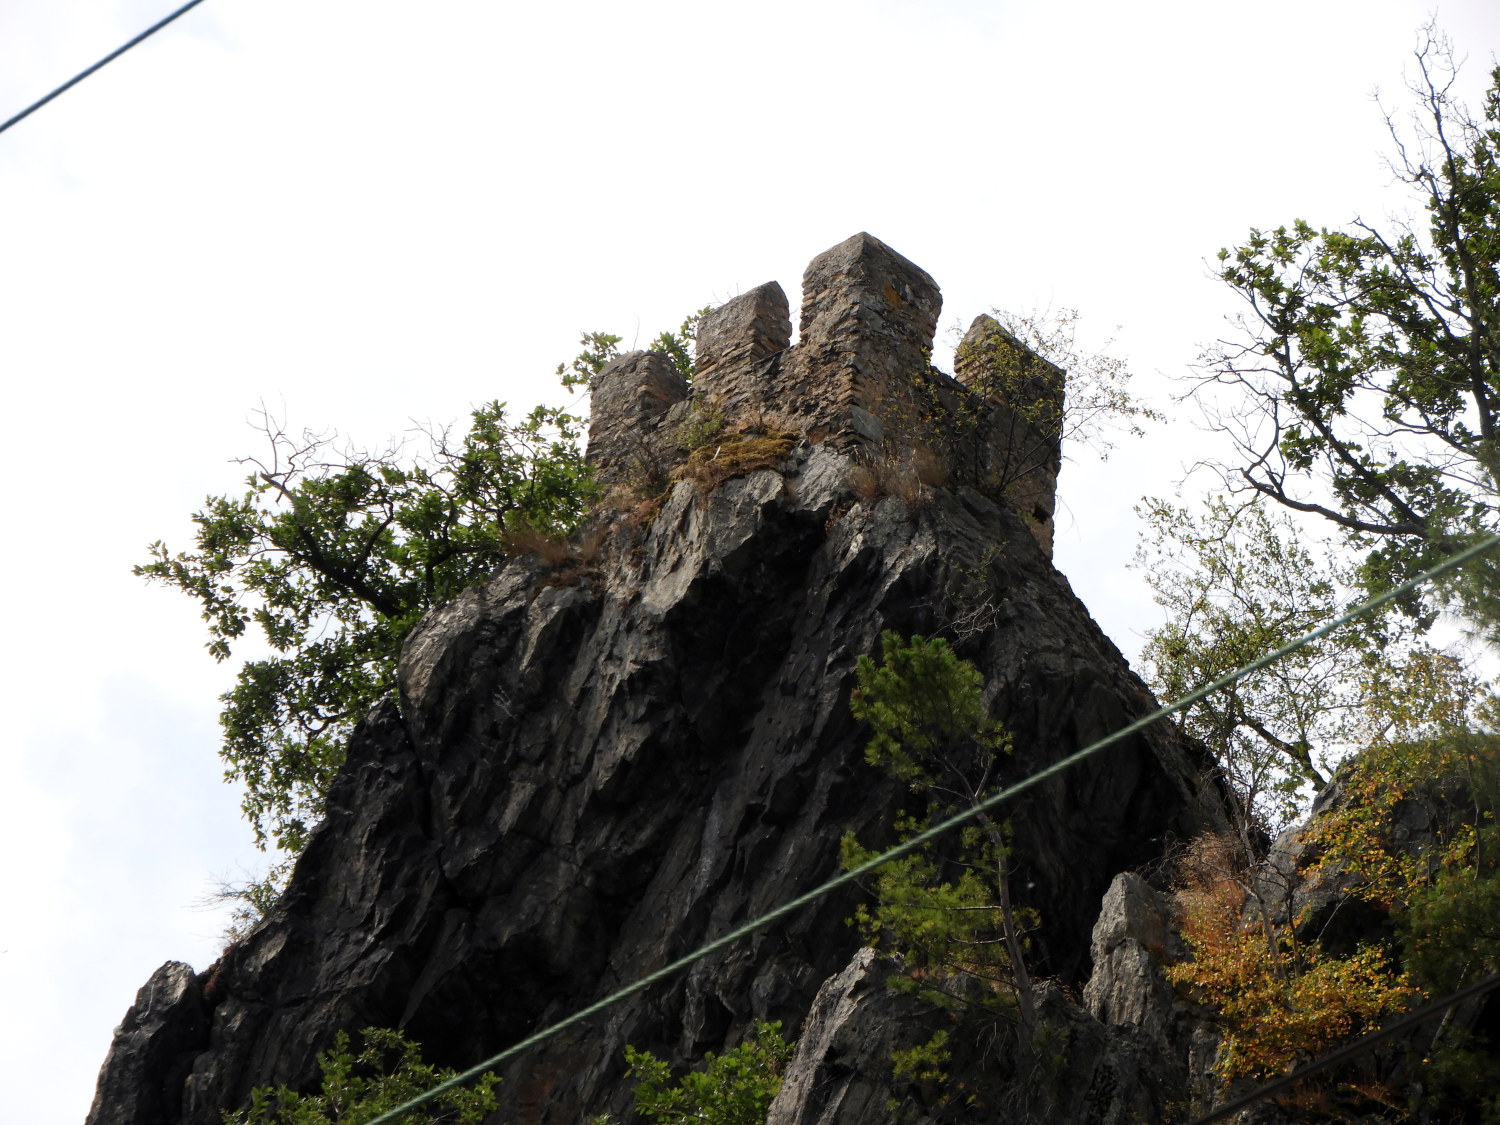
(737, 454)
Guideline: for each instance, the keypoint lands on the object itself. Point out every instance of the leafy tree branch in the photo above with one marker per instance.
(1365, 382)
(334, 553)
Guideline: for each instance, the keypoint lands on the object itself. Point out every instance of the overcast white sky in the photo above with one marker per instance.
(368, 213)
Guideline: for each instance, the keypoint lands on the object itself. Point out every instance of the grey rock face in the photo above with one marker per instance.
(1318, 899)
(1087, 1072)
(141, 1082)
(1133, 936)
(814, 1087)
(582, 782)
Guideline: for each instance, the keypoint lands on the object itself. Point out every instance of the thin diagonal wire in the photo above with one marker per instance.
(1353, 1050)
(109, 58)
(390, 1116)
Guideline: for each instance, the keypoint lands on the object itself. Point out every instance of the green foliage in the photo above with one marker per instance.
(734, 1088)
(926, 1062)
(598, 349)
(335, 554)
(702, 424)
(1369, 368)
(1413, 727)
(1237, 583)
(921, 702)
(678, 345)
(1412, 833)
(944, 911)
(1443, 888)
(1449, 929)
(387, 1072)
(1433, 747)
(941, 918)
(249, 900)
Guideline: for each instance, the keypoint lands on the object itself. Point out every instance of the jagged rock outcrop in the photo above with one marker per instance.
(593, 767)
(162, 1034)
(1087, 1071)
(1132, 938)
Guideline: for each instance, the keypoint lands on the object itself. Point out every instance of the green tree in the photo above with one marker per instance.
(734, 1088)
(1237, 582)
(1411, 730)
(946, 910)
(335, 554)
(1412, 833)
(387, 1072)
(1367, 377)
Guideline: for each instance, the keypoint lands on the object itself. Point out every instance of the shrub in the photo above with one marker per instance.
(386, 1073)
(734, 1088)
(1279, 1001)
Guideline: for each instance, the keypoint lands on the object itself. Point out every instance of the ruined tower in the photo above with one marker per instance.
(859, 379)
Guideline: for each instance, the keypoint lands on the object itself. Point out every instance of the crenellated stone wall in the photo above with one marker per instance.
(860, 379)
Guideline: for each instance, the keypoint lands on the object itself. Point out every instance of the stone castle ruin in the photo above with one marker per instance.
(860, 379)
(586, 772)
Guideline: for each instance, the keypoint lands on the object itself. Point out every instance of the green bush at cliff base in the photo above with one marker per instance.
(387, 1072)
(734, 1088)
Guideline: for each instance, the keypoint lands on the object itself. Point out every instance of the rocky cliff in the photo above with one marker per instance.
(597, 763)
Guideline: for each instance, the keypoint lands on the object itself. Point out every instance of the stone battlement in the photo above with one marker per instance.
(860, 378)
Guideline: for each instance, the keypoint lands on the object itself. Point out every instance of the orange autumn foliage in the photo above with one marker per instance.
(1279, 1002)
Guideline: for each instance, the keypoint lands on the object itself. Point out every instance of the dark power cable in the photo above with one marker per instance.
(1353, 1050)
(391, 1116)
(109, 58)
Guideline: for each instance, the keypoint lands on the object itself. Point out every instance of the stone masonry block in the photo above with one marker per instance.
(868, 318)
(860, 378)
(994, 363)
(1022, 445)
(735, 337)
(628, 400)
(862, 290)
